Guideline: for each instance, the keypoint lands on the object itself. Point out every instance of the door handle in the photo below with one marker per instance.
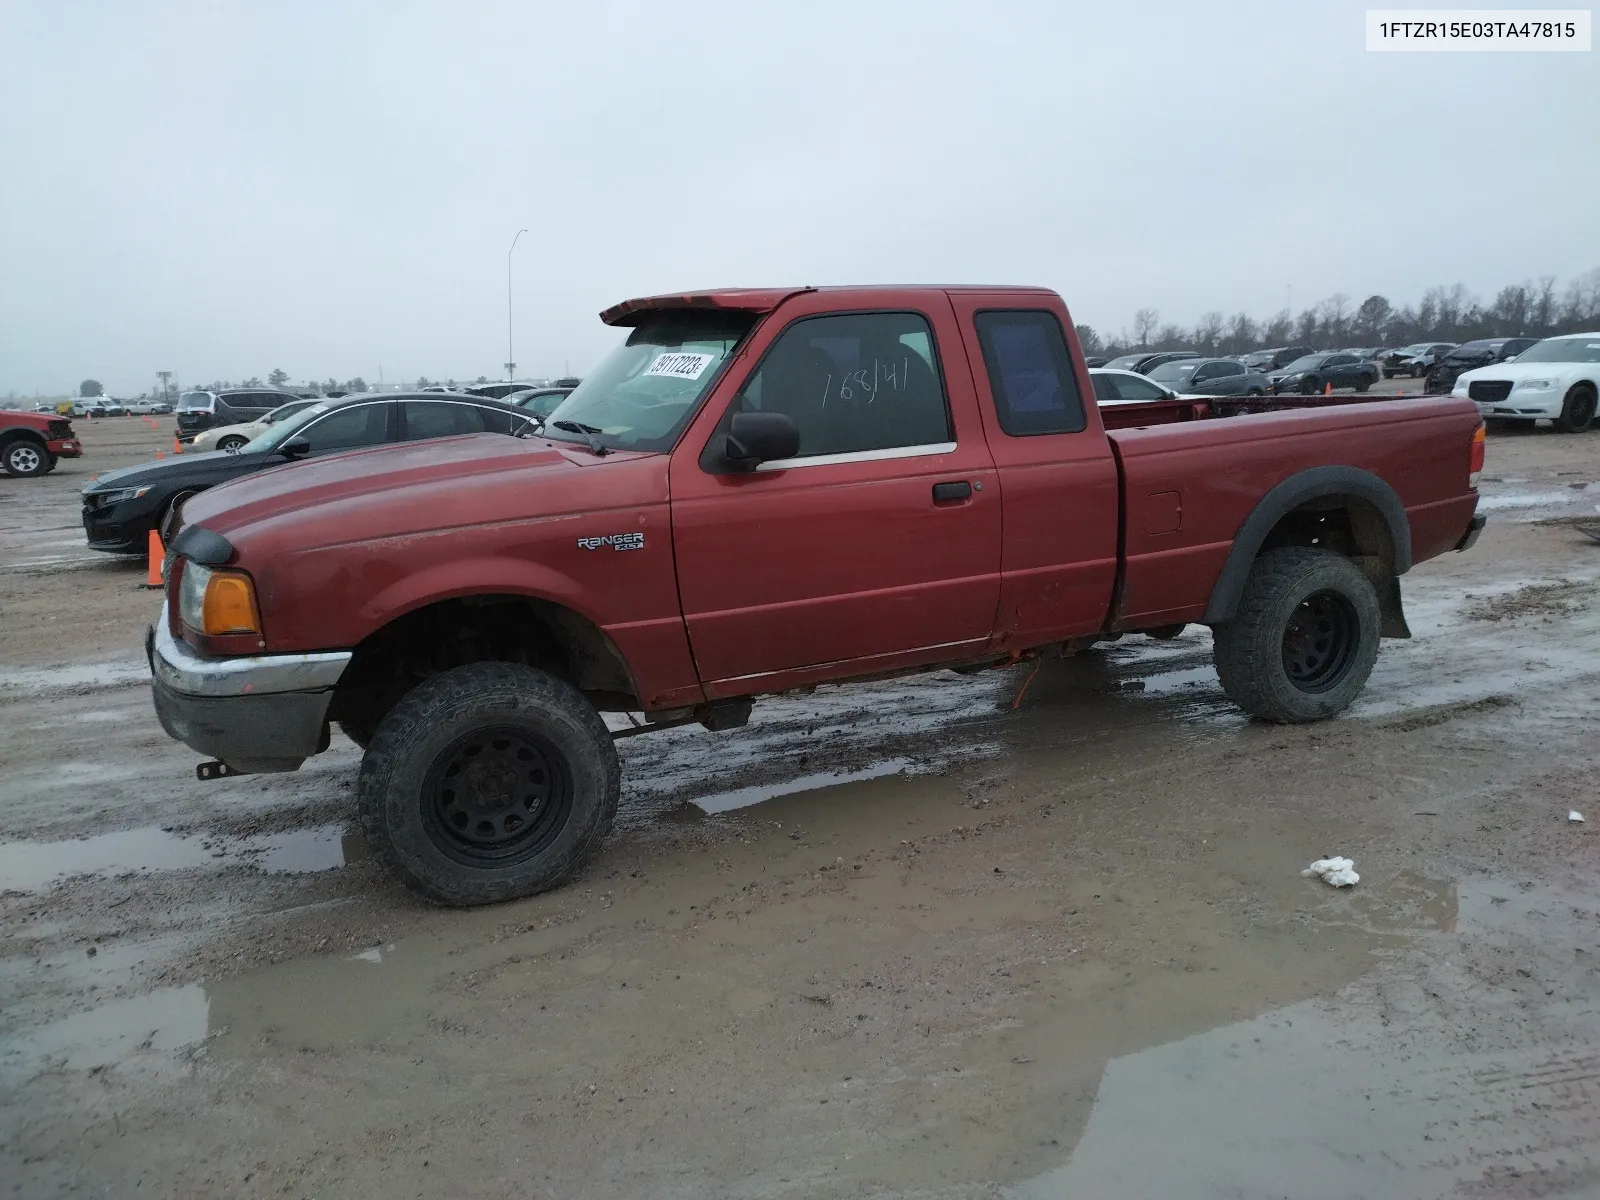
(958, 490)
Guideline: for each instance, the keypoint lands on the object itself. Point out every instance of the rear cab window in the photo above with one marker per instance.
(1030, 372)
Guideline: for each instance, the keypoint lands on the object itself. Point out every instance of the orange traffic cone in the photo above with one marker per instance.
(156, 557)
(159, 454)
(1327, 389)
(177, 446)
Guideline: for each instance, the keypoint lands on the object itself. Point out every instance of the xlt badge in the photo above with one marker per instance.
(617, 541)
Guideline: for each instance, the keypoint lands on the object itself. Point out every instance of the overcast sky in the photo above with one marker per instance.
(223, 188)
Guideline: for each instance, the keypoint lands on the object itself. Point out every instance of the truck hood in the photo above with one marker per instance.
(412, 487)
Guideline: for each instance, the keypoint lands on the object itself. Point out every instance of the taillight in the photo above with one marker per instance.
(1479, 435)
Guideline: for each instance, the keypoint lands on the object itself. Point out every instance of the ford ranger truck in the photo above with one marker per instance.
(759, 491)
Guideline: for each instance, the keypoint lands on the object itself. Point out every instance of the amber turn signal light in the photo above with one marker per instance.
(229, 605)
(1475, 468)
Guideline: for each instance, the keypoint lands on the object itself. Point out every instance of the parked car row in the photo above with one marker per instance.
(1557, 379)
(120, 508)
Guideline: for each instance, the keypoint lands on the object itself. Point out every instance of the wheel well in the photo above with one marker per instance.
(22, 435)
(1348, 524)
(1357, 529)
(496, 628)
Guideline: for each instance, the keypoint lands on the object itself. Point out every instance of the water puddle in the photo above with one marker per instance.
(35, 866)
(158, 1022)
(80, 675)
(1356, 1095)
(744, 797)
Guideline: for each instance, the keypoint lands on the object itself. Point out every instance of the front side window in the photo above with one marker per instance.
(853, 382)
(349, 428)
(643, 393)
(1030, 372)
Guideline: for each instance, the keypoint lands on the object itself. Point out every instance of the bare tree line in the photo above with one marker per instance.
(1445, 314)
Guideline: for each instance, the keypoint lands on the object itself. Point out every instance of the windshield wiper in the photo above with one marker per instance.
(587, 432)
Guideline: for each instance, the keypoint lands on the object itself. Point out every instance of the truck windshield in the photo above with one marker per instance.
(643, 393)
(1585, 348)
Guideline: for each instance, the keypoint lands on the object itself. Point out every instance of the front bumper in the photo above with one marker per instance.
(257, 713)
(121, 528)
(1520, 406)
(65, 448)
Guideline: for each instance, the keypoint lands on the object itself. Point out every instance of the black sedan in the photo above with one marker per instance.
(1315, 372)
(1210, 377)
(120, 508)
(1470, 355)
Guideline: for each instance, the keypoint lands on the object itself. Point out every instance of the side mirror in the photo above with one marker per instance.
(295, 447)
(758, 437)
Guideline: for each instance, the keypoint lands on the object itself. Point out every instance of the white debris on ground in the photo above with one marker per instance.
(1575, 817)
(1338, 872)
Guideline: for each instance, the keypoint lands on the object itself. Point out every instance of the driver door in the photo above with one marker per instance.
(879, 543)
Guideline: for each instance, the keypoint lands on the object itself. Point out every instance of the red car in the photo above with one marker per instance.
(31, 443)
(763, 490)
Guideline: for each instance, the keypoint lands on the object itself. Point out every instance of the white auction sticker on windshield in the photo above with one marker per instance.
(681, 364)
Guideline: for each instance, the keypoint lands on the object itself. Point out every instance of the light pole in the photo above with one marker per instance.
(511, 358)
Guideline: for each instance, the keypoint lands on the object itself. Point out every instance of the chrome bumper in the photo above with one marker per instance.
(262, 712)
(182, 670)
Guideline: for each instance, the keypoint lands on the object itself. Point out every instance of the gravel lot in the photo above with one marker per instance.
(901, 939)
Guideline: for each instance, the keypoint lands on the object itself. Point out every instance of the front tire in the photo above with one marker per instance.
(1310, 386)
(231, 443)
(26, 458)
(1304, 639)
(488, 782)
(1577, 410)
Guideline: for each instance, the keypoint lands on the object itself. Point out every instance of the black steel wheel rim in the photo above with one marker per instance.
(496, 796)
(1319, 642)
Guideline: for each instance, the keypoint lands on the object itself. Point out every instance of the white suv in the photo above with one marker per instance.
(1558, 378)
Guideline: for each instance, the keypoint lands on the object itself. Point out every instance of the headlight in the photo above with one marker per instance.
(1534, 385)
(1460, 388)
(121, 494)
(217, 602)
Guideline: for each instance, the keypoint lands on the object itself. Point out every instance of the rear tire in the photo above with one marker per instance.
(1577, 410)
(1304, 639)
(1363, 385)
(488, 782)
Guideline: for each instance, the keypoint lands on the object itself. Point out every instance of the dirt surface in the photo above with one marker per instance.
(901, 939)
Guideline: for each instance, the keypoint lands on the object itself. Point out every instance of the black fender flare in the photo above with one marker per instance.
(1285, 498)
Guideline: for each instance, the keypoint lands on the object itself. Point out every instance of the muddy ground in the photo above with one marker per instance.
(901, 939)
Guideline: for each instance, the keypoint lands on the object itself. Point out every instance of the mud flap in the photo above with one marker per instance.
(1394, 614)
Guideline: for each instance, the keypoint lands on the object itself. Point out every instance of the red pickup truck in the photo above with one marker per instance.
(763, 490)
(32, 442)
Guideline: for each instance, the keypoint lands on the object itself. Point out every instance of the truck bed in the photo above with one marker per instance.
(1190, 481)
